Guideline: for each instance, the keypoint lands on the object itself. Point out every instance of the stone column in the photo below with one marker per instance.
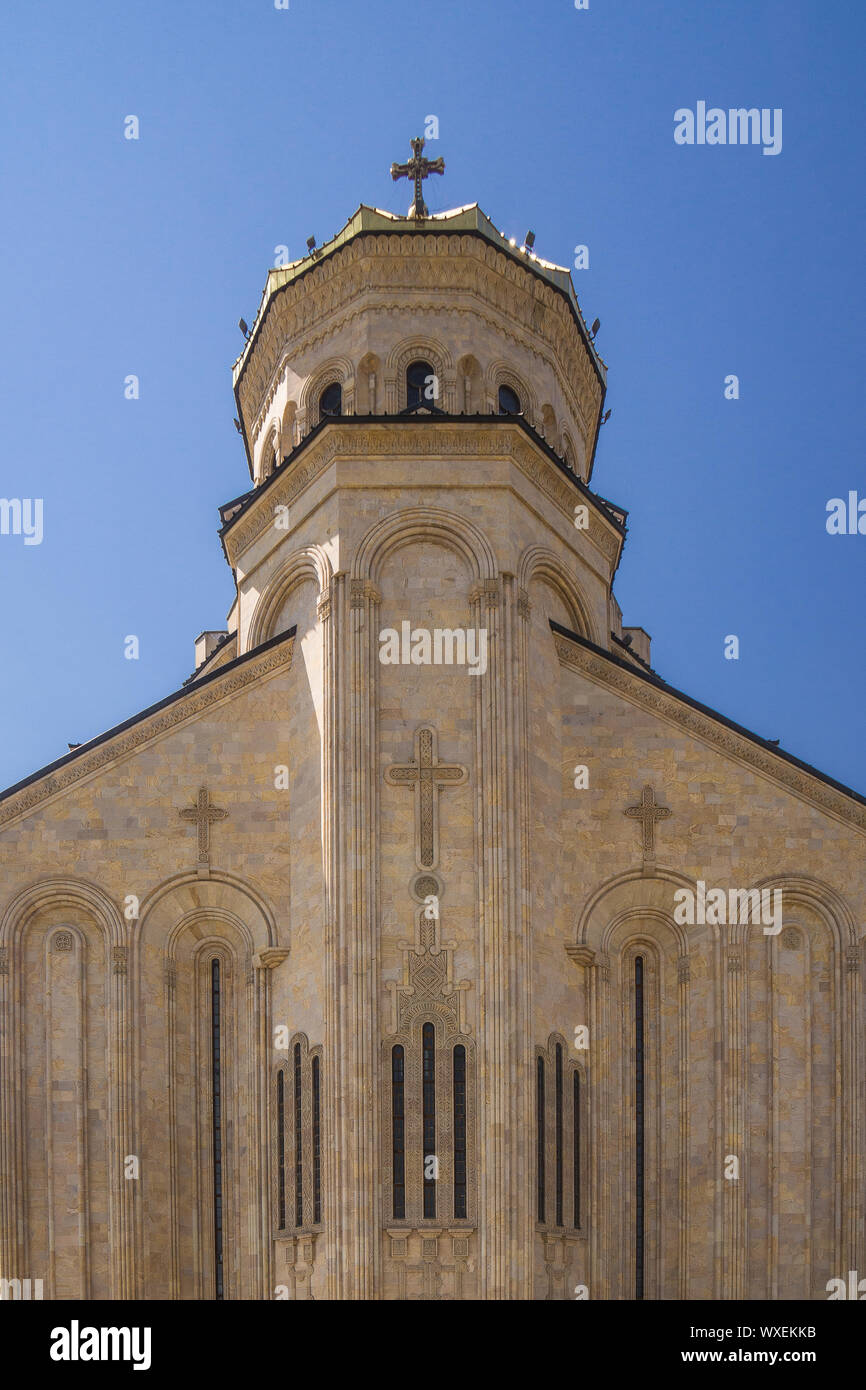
(735, 1030)
(683, 978)
(853, 1252)
(350, 812)
(584, 957)
(14, 1258)
(262, 1048)
(505, 1050)
(124, 1191)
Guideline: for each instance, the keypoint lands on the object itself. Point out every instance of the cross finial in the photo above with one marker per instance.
(204, 815)
(648, 813)
(418, 168)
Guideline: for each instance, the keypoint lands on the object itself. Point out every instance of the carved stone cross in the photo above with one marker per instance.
(204, 815)
(418, 168)
(648, 813)
(426, 774)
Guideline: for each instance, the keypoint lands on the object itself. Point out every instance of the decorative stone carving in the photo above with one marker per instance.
(426, 775)
(62, 941)
(416, 440)
(647, 812)
(204, 815)
(371, 273)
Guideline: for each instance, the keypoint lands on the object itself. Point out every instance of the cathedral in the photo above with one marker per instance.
(425, 944)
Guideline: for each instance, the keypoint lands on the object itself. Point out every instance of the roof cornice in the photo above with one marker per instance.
(465, 221)
(649, 690)
(345, 435)
(152, 722)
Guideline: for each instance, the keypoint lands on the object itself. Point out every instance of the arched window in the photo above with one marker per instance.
(422, 385)
(428, 1122)
(331, 401)
(398, 1134)
(557, 1137)
(428, 1104)
(509, 401)
(297, 1118)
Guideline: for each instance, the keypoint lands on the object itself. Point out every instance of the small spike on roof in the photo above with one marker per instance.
(469, 218)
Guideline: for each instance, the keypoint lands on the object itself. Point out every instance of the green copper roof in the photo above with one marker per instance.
(465, 219)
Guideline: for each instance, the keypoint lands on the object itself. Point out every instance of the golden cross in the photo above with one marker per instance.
(204, 815)
(418, 168)
(426, 774)
(648, 812)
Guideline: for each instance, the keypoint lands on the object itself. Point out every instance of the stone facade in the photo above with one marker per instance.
(421, 935)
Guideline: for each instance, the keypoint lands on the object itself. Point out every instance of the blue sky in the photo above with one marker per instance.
(259, 127)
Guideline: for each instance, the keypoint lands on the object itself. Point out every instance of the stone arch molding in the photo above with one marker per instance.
(539, 562)
(636, 895)
(632, 896)
(311, 563)
(424, 524)
(410, 350)
(62, 893)
(187, 902)
(800, 890)
(340, 369)
(270, 441)
(501, 373)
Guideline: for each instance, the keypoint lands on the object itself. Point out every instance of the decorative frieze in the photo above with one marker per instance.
(187, 705)
(430, 439)
(712, 731)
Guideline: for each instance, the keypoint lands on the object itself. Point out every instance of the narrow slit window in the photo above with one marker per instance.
(428, 1101)
(539, 1138)
(281, 1150)
(217, 1132)
(317, 1143)
(398, 1133)
(558, 1133)
(640, 1120)
(460, 1132)
(576, 1151)
(299, 1143)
